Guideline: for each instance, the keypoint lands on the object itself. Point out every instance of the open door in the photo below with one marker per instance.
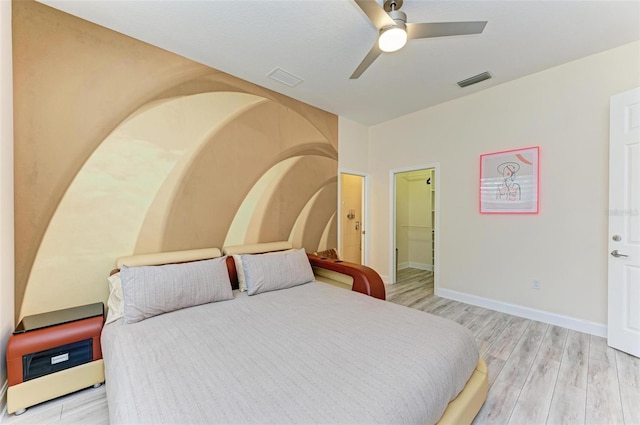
(352, 211)
(624, 223)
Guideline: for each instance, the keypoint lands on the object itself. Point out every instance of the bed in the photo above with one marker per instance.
(305, 353)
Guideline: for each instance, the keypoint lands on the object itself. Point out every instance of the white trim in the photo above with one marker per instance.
(414, 265)
(339, 216)
(3, 398)
(392, 227)
(366, 260)
(392, 219)
(404, 265)
(385, 279)
(436, 230)
(580, 325)
(420, 266)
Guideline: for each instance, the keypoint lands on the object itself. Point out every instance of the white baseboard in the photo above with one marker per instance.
(421, 266)
(588, 327)
(385, 279)
(3, 398)
(414, 265)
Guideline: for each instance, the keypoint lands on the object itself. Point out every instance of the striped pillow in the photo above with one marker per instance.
(276, 270)
(152, 290)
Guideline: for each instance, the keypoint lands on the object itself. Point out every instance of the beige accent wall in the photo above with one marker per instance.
(6, 192)
(565, 111)
(122, 148)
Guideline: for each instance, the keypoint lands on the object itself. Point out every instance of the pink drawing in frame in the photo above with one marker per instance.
(510, 182)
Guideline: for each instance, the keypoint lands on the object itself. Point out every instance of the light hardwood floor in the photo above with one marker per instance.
(538, 373)
(86, 407)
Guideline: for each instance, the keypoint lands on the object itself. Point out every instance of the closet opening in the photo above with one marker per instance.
(414, 226)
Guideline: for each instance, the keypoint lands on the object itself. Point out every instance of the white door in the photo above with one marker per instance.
(624, 223)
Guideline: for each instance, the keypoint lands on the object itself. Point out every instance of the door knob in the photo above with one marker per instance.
(616, 254)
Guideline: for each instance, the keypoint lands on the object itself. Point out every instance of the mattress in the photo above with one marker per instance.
(309, 354)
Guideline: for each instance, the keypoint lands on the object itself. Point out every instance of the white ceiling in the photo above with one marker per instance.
(322, 41)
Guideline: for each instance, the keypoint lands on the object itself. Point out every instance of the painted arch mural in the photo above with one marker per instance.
(202, 160)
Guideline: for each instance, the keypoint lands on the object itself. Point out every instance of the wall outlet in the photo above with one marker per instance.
(535, 284)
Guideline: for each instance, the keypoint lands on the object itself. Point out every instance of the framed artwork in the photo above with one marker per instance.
(509, 182)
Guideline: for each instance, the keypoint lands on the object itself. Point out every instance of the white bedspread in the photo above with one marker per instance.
(309, 354)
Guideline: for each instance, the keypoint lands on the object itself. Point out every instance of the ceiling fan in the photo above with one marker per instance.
(394, 29)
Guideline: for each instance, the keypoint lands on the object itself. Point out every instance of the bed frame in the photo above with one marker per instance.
(460, 411)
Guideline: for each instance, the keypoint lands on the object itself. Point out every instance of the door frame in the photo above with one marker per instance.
(392, 221)
(364, 255)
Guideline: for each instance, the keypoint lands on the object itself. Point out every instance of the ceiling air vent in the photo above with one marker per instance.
(284, 77)
(475, 79)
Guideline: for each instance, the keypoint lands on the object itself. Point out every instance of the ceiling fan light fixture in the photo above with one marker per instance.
(392, 38)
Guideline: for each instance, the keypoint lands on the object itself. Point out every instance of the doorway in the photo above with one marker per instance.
(414, 221)
(352, 211)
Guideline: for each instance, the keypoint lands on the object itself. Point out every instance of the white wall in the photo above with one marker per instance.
(565, 111)
(353, 145)
(6, 192)
(353, 156)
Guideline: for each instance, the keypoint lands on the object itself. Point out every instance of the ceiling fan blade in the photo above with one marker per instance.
(376, 14)
(444, 29)
(368, 60)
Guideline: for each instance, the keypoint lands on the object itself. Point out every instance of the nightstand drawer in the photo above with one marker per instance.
(42, 363)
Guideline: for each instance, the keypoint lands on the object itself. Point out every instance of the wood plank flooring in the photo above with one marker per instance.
(86, 407)
(539, 374)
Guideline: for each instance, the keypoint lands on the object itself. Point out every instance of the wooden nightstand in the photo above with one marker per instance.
(53, 354)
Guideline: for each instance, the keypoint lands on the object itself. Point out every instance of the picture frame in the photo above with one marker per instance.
(510, 181)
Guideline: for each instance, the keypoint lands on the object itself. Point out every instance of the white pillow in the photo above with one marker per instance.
(115, 303)
(276, 270)
(237, 259)
(152, 290)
